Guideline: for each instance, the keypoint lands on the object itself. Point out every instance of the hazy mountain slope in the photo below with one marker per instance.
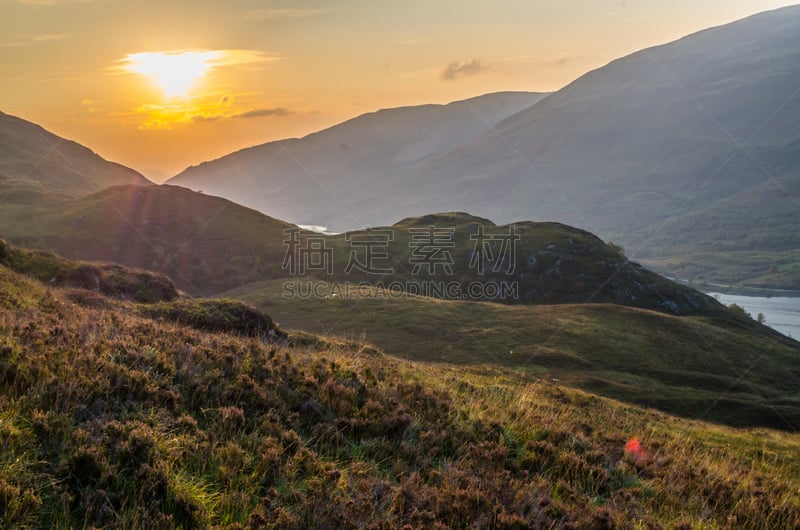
(750, 238)
(204, 243)
(33, 155)
(301, 180)
(646, 137)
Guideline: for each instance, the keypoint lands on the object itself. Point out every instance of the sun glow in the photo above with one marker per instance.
(175, 72)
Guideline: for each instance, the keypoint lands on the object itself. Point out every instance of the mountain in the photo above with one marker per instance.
(681, 137)
(116, 415)
(207, 244)
(523, 263)
(687, 136)
(29, 154)
(303, 180)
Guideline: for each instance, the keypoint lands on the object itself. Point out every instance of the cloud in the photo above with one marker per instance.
(455, 69)
(276, 13)
(257, 113)
(90, 104)
(254, 113)
(177, 71)
(133, 62)
(31, 39)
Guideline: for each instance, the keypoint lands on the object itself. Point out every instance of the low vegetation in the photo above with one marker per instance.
(114, 419)
(230, 316)
(109, 279)
(726, 368)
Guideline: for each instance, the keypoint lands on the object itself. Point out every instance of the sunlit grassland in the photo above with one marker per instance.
(110, 418)
(701, 367)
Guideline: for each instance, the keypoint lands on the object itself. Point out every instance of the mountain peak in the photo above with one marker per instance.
(32, 154)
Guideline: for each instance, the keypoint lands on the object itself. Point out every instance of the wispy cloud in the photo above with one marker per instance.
(255, 113)
(258, 113)
(455, 69)
(209, 58)
(31, 39)
(276, 13)
(172, 115)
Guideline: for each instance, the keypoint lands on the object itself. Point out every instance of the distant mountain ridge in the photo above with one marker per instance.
(32, 155)
(304, 180)
(682, 137)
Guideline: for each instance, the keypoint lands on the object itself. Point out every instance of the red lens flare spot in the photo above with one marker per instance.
(634, 447)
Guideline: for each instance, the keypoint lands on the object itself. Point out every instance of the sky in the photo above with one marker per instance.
(162, 85)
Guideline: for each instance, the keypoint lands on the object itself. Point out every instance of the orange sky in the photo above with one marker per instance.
(90, 70)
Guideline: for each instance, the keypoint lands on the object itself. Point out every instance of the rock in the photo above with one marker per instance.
(3, 250)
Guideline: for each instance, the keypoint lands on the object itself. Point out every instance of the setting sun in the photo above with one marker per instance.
(175, 72)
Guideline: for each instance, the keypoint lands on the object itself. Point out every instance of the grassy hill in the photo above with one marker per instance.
(205, 244)
(722, 368)
(111, 418)
(208, 245)
(31, 155)
(549, 263)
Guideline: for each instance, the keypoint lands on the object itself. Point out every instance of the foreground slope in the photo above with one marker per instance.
(110, 419)
(30, 154)
(722, 368)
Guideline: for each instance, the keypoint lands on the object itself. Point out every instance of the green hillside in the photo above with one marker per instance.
(208, 245)
(205, 244)
(726, 368)
(113, 419)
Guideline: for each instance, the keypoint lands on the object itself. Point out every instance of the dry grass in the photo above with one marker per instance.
(111, 419)
(715, 368)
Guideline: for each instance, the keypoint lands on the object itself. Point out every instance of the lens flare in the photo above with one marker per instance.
(634, 447)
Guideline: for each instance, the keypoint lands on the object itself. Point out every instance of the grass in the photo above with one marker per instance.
(229, 316)
(106, 278)
(724, 368)
(112, 419)
(205, 244)
(208, 245)
(760, 271)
